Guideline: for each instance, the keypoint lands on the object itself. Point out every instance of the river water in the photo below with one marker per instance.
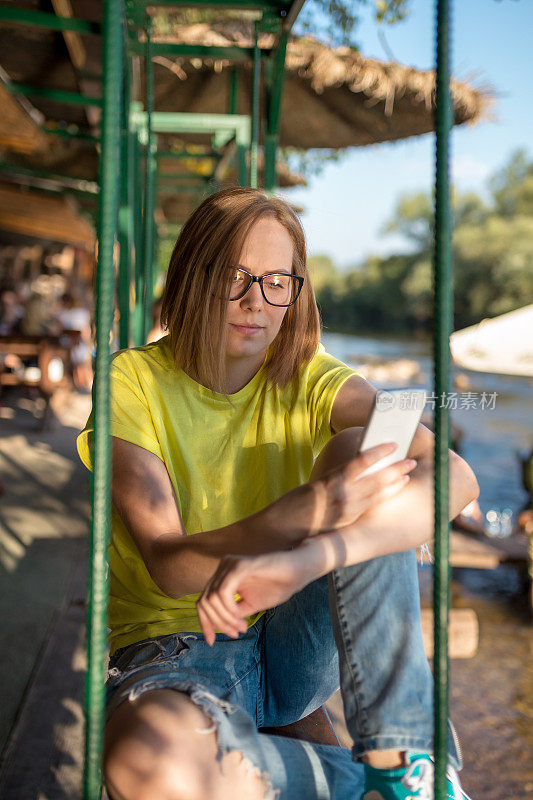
(491, 695)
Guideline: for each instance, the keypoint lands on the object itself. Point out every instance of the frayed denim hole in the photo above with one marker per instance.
(202, 697)
(137, 654)
(177, 645)
(149, 652)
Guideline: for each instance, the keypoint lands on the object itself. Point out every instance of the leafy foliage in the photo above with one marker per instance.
(337, 20)
(493, 261)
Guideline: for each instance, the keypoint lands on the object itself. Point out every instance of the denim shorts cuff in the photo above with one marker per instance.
(417, 744)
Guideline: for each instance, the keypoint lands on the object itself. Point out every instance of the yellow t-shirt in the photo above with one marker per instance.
(225, 461)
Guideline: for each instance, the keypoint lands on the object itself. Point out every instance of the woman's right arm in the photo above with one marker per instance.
(181, 564)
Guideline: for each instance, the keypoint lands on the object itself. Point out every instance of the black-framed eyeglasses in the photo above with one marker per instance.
(278, 288)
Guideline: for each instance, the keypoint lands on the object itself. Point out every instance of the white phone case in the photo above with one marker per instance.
(394, 418)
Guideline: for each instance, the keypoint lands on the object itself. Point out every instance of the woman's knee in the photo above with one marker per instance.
(156, 747)
(161, 746)
(341, 448)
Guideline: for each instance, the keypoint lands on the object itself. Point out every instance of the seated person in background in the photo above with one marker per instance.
(8, 361)
(11, 313)
(38, 318)
(73, 316)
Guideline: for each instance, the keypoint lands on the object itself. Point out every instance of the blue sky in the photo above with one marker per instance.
(347, 205)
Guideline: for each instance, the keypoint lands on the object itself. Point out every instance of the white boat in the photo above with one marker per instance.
(501, 344)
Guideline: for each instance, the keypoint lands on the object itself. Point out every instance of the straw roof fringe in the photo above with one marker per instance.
(324, 68)
(382, 81)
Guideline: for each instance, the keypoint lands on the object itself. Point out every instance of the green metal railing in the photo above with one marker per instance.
(443, 321)
(149, 186)
(113, 51)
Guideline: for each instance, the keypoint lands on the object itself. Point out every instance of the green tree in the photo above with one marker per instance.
(493, 261)
(512, 187)
(323, 272)
(337, 20)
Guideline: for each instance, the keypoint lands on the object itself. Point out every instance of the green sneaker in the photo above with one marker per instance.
(414, 782)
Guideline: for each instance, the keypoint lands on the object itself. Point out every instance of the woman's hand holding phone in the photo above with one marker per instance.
(344, 494)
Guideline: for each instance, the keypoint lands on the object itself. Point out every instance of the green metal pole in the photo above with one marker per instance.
(57, 95)
(149, 194)
(43, 19)
(241, 164)
(125, 223)
(256, 89)
(137, 209)
(77, 133)
(443, 314)
(112, 49)
(138, 311)
(275, 81)
(234, 90)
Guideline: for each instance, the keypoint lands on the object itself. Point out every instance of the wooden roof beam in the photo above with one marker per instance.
(78, 56)
(20, 122)
(43, 19)
(74, 42)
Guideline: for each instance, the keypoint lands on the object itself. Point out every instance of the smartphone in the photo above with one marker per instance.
(394, 418)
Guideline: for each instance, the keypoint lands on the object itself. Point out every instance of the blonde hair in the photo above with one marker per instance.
(212, 238)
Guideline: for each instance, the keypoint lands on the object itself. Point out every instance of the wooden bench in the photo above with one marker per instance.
(43, 350)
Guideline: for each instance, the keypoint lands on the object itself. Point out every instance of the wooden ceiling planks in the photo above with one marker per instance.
(44, 217)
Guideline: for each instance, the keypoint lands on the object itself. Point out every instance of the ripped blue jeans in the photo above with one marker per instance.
(360, 623)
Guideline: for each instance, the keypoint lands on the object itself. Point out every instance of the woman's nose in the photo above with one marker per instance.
(253, 298)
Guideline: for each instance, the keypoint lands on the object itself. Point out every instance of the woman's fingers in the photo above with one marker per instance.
(217, 608)
(216, 622)
(350, 496)
(374, 454)
(392, 489)
(386, 476)
(229, 622)
(380, 481)
(390, 474)
(206, 625)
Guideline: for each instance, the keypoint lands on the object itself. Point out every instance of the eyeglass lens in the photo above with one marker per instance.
(279, 289)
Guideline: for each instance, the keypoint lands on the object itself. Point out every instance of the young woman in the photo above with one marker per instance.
(234, 436)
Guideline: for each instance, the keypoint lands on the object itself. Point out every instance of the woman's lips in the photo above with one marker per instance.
(247, 329)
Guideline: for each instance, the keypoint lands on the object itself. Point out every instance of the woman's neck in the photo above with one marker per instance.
(238, 374)
(240, 371)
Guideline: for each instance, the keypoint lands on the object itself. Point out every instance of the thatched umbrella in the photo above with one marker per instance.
(333, 97)
(43, 216)
(19, 132)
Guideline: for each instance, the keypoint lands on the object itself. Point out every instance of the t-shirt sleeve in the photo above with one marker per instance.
(130, 416)
(326, 375)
